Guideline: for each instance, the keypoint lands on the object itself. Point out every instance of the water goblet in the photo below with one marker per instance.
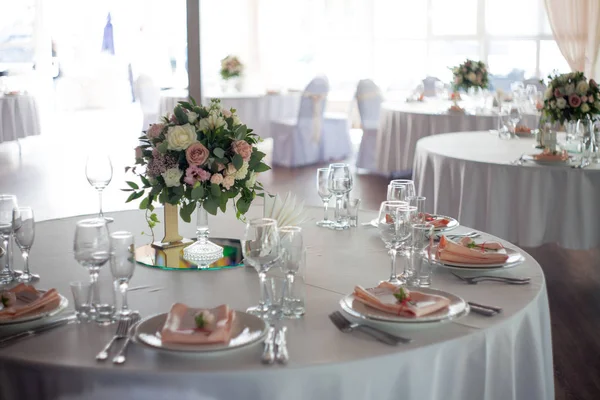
(91, 246)
(122, 265)
(99, 172)
(24, 232)
(393, 229)
(339, 183)
(324, 194)
(292, 257)
(8, 202)
(261, 249)
(514, 116)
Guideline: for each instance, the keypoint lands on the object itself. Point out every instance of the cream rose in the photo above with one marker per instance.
(561, 103)
(180, 137)
(472, 77)
(192, 117)
(231, 170)
(548, 93)
(172, 177)
(228, 181)
(585, 108)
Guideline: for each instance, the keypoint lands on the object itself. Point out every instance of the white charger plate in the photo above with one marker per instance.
(457, 308)
(246, 330)
(39, 315)
(514, 258)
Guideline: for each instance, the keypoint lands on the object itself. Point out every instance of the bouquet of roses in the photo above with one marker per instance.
(199, 154)
(470, 74)
(231, 67)
(571, 97)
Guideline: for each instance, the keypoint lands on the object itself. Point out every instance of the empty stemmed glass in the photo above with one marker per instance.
(514, 116)
(409, 188)
(99, 172)
(7, 204)
(92, 249)
(324, 194)
(24, 231)
(394, 230)
(261, 249)
(339, 183)
(292, 256)
(122, 264)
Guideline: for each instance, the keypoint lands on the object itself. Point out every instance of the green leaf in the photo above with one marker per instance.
(223, 203)
(197, 193)
(180, 115)
(178, 190)
(144, 203)
(242, 205)
(154, 217)
(145, 181)
(240, 132)
(219, 152)
(238, 161)
(187, 210)
(162, 197)
(262, 167)
(210, 206)
(134, 195)
(132, 185)
(163, 147)
(215, 190)
(186, 105)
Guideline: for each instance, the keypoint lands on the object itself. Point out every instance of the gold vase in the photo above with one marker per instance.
(173, 243)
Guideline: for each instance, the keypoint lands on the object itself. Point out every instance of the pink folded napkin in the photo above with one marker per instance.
(413, 303)
(468, 252)
(188, 325)
(15, 308)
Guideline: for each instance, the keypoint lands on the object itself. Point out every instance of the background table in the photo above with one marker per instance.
(508, 356)
(469, 176)
(19, 117)
(403, 124)
(256, 110)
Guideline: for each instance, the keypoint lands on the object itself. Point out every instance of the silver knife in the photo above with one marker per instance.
(483, 311)
(37, 330)
(493, 308)
(268, 355)
(281, 355)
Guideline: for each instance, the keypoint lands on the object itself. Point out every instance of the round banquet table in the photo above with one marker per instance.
(256, 110)
(19, 117)
(470, 176)
(508, 356)
(403, 124)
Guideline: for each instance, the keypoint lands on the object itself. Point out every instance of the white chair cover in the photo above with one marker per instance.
(541, 87)
(296, 142)
(336, 143)
(149, 95)
(368, 99)
(429, 86)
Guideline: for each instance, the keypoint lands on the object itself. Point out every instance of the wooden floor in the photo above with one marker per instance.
(49, 176)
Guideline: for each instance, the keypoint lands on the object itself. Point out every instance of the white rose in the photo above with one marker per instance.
(172, 177)
(585, 108)
(548, 93)
(179, 137)
(472, 77)
(569, 89)
(242, 172)
(251, 180)
(582, 87)
(561, 103)
(192, 117)
(228, 181)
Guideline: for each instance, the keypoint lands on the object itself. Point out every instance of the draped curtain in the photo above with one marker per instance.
(576, 28)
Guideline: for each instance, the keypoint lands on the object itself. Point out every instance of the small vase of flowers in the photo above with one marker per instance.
(231, 72)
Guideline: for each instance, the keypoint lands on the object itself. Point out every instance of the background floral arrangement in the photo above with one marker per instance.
(570, 97)
(231, 67)
(199, 154)
(470, 74)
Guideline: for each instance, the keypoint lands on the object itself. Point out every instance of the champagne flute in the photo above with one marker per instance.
(122, 265)
(324, 194)
(99, 172)
(8, 202)
(24, 231)
(261, 249)
(292, 254)
(339, 183)
(92, 248)
(393, 231)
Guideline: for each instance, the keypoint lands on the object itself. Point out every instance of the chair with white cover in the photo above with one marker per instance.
(540, 86)
(336, 143)
(149, 95)
(430, 84)
(369, 99)
(296, 142)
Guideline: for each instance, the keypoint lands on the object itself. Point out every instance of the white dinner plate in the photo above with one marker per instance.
(453, 224)
(246, 329)
(457, 308)
(40, 314)
(514, 258)
(546, 162)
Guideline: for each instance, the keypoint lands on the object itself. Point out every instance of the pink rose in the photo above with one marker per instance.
(196, 154)
(194, 174)
(138, 153)
(217, 179)
(242, 148)
(228, 181)
(584, 99)
(220, 167)
(154, 131)
(574, 100)
(557, 93)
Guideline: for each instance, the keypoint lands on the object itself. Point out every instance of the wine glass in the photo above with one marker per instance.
(292, 254)
(407, 183)
(261, 249)
(393, 229)
(122, 264)
(24, 231)
(99, 171)
(7, 204)
(324, 194)
(92, 248)
(339, 183)
(514, 116)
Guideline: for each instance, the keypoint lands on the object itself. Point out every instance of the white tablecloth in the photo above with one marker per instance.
(256, 110)
(18, 117)
(469, 176)
(505, 357)
(403, 124)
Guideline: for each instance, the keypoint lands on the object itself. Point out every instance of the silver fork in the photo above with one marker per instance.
(121, 333)
(476, 279)
(346, 326)
(120, 357)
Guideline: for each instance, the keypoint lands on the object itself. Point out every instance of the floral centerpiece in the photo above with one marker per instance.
(571, 97)
(470, 74)
(231, 67)
(200, 157)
